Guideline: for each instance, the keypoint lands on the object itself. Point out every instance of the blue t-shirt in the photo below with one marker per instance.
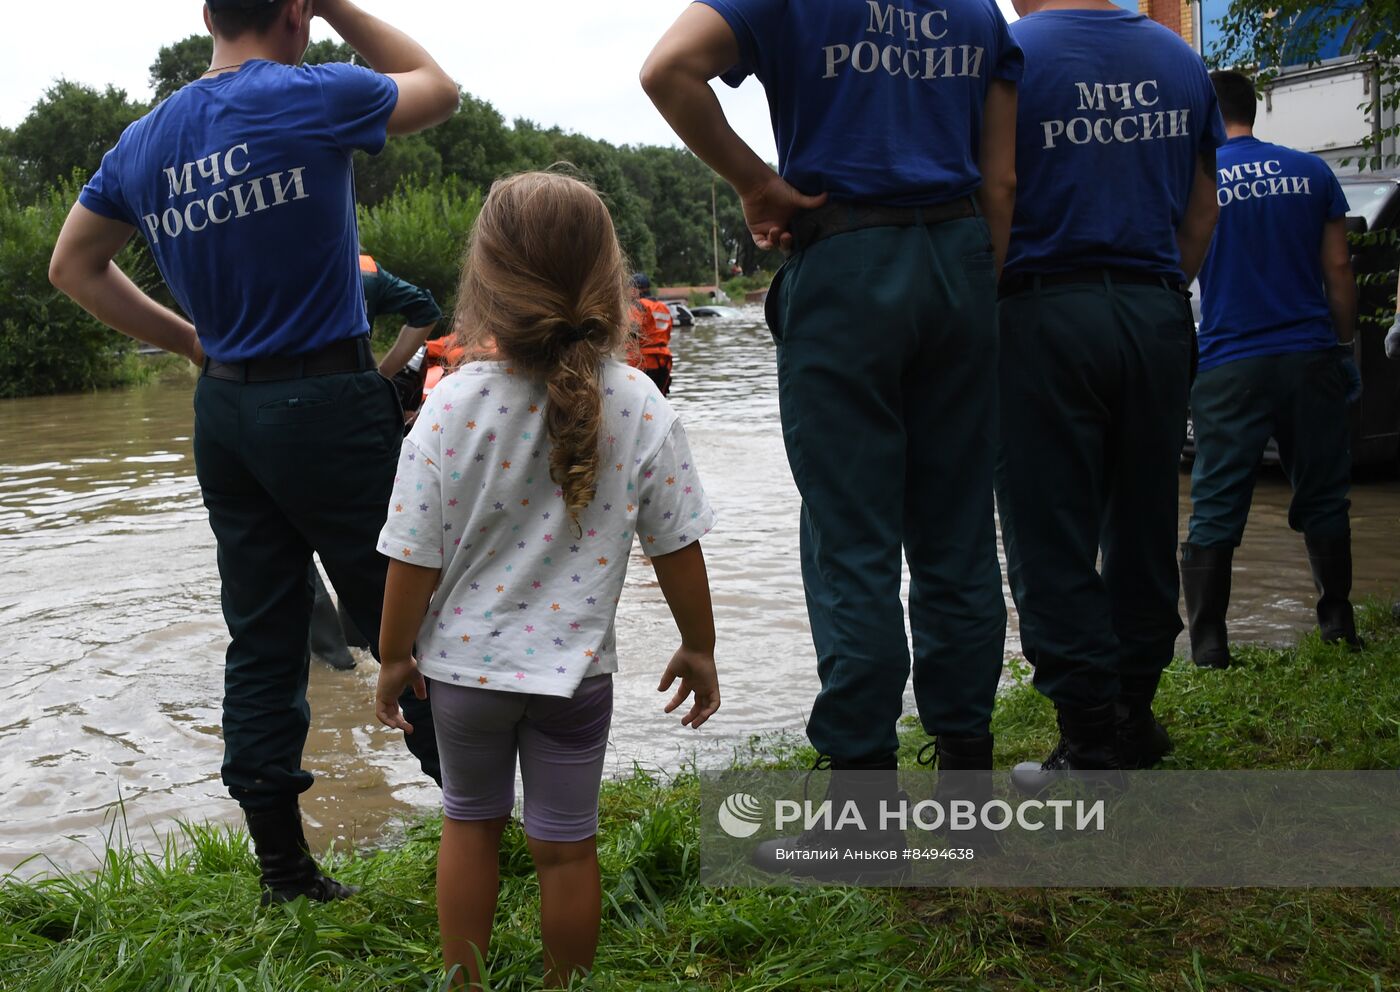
(1114, 113)
(1261, 286)
(877, 102)
(242, 185)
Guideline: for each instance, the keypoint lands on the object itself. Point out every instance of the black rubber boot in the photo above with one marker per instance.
(1330, 560)
(1087, 750)
(288, 870)
(955, 753)
(965, 774)
(866, 784)
(326, 639)
(1142, 741)
(1205, 577)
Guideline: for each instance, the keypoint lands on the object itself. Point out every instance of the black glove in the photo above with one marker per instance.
(1353, 374)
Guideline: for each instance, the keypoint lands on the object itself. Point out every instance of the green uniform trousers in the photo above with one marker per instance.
(1094, 386)
(887, 344)
(1299, 400)
(287, 468)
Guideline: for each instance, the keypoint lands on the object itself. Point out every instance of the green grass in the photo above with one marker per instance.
(187, 919)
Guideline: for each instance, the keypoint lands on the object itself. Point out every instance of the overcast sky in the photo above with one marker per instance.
(557, 62)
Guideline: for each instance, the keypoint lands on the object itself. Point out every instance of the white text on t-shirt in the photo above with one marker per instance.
(939, 62)
(1268, 180)
(1126, 128)
(224, 205)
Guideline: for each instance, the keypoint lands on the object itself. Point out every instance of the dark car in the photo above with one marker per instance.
(1374, 219)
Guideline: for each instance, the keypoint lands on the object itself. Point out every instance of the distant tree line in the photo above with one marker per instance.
(418, 198)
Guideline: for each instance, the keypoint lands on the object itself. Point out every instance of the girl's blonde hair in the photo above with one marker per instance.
(545, 284)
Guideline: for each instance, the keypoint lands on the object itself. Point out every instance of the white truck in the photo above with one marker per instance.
(1329, 109)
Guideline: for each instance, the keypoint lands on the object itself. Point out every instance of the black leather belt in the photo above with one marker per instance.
(835, 218)
(1021, 282)
(348, 355)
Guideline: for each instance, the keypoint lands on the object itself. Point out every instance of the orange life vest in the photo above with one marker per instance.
(445, 351)
(368, 266)
(444, 355)
(654, 325)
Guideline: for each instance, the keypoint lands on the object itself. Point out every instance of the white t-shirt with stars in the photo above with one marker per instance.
(526, 603)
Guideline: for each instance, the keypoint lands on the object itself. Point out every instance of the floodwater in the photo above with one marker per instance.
(113, 642)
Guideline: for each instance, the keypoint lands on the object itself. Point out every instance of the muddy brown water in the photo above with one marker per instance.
(113, 643)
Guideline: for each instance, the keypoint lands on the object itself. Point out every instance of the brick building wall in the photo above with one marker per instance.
(1175, 14)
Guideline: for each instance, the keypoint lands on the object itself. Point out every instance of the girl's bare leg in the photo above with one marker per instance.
(468, 880)
(571, 907)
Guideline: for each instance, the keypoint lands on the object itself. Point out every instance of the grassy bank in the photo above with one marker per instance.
(187, 920)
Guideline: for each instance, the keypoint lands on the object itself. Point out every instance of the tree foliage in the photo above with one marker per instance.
(421, 234)
(476, 146)
(69, 129)
(322, 52)
(180, 63)
(48, 344)
(1271, 34)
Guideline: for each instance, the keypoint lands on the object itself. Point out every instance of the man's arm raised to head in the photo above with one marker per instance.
(427, 95)
(82, 267)
(677, 74)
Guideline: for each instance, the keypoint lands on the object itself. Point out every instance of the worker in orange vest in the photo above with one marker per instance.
(652, 351)
(387, 293)
(332, 632)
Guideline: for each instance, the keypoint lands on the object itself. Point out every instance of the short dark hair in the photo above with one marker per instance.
(235, 23)
(1235, 91)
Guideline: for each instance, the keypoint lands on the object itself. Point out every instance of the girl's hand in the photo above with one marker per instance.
(394, 677)
(696, 670)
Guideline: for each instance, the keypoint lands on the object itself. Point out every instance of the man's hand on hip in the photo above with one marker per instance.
(769, 209)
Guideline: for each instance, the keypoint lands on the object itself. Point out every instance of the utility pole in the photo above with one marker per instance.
(714, 226)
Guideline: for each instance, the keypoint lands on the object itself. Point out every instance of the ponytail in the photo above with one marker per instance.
(573, 418)
(545, 281)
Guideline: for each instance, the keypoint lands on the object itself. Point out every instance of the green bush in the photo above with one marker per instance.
(738, 288)
(48, 344)
(420, 233)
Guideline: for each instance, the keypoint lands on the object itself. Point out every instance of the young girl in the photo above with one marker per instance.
(519, 494)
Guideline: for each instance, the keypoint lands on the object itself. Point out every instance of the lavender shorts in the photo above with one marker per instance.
(561, 744)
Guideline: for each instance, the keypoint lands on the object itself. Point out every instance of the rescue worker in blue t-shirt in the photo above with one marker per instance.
(333, 632)
(1116, 136)
(1278, 313)
(895, 130)
(241, 184)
